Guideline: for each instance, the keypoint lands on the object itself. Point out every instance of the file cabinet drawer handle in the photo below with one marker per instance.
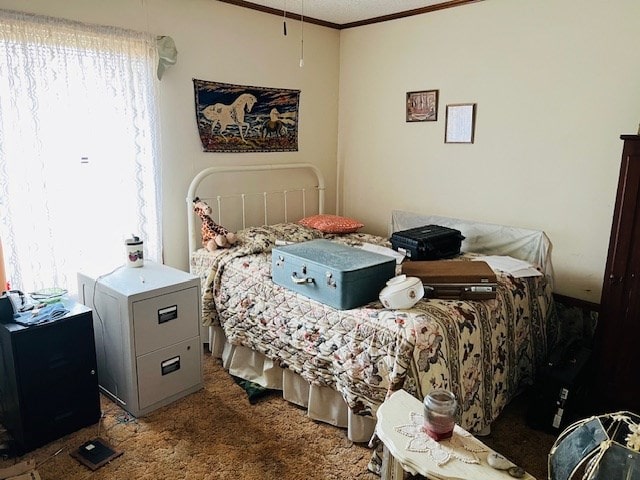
(170, 365)
(167, 314)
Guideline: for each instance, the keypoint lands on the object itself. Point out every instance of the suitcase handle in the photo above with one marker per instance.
(299, 280)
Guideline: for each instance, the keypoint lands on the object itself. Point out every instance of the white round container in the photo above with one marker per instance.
(134, 249)
(402, 292)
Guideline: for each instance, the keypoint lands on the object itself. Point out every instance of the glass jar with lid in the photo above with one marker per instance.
(440, 414)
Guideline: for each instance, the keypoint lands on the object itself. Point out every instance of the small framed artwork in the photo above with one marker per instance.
(460, 123)
(422, 106)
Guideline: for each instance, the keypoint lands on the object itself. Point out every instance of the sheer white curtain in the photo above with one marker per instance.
(79, 156)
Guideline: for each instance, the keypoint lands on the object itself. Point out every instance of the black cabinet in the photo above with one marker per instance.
(48, 378)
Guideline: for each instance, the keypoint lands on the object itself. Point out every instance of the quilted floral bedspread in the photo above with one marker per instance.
(483, 351)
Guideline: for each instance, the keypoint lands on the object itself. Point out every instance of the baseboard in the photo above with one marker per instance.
(576, 302)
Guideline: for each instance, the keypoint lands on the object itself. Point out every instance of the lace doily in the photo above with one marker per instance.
(460, 446)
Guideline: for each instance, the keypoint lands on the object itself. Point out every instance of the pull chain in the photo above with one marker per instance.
(284, 18)
(302, 36)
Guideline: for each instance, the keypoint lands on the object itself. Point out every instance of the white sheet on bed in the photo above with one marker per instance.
(322, 403)
(486, 238)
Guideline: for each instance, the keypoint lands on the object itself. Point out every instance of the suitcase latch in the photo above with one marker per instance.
(330, 281)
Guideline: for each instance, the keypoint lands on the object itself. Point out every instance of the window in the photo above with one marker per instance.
(79, 167)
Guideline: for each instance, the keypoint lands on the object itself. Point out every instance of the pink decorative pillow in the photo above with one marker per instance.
(331, 223)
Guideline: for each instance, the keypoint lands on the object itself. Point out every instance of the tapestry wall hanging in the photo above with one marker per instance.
(238, 118)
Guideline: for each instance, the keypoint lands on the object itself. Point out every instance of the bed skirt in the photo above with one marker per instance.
(322, 403)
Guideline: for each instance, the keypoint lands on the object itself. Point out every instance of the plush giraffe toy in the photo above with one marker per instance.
(213, 235)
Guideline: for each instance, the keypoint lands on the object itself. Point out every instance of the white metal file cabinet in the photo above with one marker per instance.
(147, 329)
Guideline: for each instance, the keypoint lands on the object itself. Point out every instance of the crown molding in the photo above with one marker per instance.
(384, 18)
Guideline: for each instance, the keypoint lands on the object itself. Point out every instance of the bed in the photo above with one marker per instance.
(341, 364)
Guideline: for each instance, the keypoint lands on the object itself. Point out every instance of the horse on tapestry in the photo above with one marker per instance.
(275, 125)
(232, 114)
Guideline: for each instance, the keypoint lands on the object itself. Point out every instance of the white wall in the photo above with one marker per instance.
(556, 83)
(225, 43)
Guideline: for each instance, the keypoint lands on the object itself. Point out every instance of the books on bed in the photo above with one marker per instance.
(513, 266)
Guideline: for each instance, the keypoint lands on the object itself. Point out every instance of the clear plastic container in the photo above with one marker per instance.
(440, 414)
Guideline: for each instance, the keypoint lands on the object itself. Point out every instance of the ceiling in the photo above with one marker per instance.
(347, 13)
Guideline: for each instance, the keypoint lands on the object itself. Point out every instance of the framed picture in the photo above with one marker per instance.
(422, 106)
(460, 123)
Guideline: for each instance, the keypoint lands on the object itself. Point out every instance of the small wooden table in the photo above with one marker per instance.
(397, 459)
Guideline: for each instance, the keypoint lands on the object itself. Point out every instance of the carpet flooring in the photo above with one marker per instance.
(217, 434)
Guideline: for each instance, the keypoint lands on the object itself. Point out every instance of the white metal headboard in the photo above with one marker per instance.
(197, 180)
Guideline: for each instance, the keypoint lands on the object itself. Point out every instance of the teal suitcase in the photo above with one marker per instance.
(332, 273)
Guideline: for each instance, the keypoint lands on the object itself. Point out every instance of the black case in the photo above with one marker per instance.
(429, 242)
(6, 309)
(558, 396)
